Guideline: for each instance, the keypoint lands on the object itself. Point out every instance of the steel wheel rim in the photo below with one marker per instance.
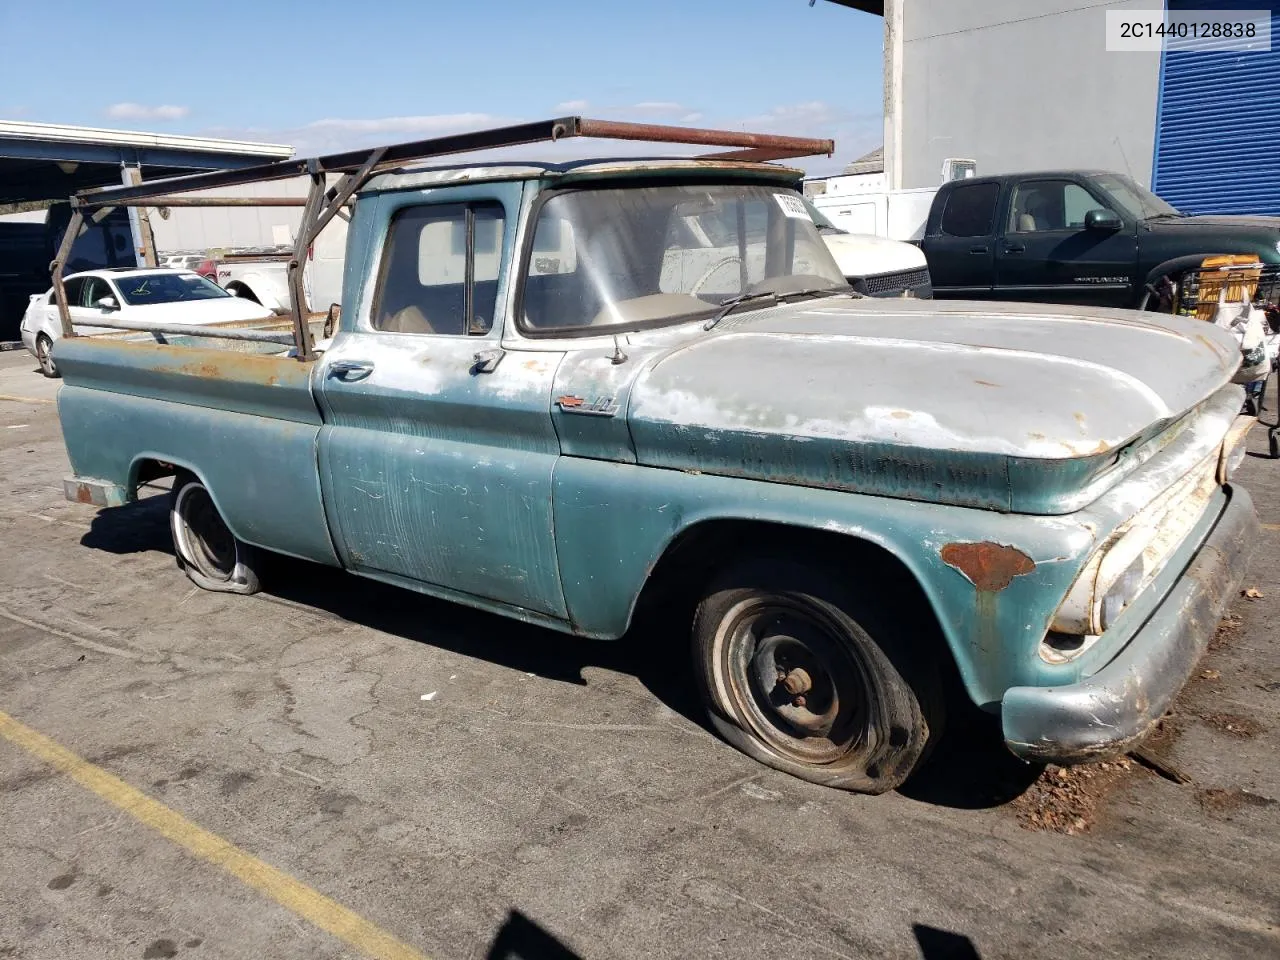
(203, 538)
(43, 354)
(797, 684)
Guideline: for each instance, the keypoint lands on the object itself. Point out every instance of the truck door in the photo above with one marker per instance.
(960, 248)
(437, 452)
(1047, 254)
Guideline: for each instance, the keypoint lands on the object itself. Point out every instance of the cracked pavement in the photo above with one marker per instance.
(568, 781)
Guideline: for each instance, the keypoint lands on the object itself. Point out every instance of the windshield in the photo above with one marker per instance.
(148, 288)
(820, 219)
(1136, 201)
(636, 257)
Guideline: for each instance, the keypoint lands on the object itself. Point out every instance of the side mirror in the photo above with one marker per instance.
(107, 303)
(1102, 220)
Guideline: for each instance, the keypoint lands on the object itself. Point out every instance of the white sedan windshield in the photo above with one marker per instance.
(140, 290)
(635, 257)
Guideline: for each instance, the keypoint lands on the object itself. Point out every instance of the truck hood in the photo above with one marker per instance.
(866, 255)
(1216, 223)
(1021, 407)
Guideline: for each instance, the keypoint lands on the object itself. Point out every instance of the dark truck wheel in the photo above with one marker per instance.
(792, 674)
(206, 549)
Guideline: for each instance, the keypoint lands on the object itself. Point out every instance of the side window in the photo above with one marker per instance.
(1046, 205)
(971, 210)
(95, 288)
(440, 270)
(74, 287)
(1076, 202)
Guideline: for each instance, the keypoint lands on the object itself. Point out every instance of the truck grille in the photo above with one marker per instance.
(895, 284)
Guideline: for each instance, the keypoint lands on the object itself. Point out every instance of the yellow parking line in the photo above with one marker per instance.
(6, 396)
(279, 886)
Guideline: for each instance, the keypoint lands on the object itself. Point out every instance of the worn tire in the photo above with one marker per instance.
(207, 551)
(44, 355)
(873, 707)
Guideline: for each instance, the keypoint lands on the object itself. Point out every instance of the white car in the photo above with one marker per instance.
(154, 295)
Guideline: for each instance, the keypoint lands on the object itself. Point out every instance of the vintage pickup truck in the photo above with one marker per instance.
(543, 400)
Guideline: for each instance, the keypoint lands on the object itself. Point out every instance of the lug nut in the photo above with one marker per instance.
(797, 681)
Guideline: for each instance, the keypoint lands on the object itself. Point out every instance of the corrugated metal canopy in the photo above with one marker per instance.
(46, 161)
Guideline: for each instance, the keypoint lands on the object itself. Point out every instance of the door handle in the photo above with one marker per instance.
(1014, 248)
(978, 249)
(349, 371)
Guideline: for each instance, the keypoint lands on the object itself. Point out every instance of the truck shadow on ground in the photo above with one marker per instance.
(970, 769)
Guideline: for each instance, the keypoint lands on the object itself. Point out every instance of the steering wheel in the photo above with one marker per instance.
(706, 274)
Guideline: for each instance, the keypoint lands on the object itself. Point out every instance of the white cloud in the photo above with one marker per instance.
(572, 106)
(138, 111)
(428, 124)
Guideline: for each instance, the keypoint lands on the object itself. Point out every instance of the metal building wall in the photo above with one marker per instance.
(1021, 86)
(1215, 150)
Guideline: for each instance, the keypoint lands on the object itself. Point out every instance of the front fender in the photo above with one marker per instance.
(614, 522)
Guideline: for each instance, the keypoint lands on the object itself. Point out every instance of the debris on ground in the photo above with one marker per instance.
(1210, 674)
(1158, 763)
(1233, 724)
(1251, 593)
(1066, 799)
(1226, 632)
(428, 696)
(1270, 686)
(1219, 802)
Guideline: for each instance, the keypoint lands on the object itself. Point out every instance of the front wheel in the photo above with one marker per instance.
(207, 550)
(803, 675)
(44, 355)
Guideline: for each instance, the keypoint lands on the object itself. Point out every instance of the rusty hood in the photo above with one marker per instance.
(1021, 407)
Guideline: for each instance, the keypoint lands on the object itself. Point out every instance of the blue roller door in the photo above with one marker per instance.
(1219, 119)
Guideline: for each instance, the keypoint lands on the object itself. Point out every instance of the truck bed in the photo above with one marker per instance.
(212, 410)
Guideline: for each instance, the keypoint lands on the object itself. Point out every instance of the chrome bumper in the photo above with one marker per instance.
(1107, 713)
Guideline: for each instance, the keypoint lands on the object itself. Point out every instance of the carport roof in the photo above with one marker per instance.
(866, 6)
(46, 161)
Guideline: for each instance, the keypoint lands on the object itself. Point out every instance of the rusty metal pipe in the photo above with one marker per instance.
(56, 269)
(167, 201)
(193, 330)
(765, 143)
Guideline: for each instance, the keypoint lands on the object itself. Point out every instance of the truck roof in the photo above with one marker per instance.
(589, 168)
(1031, 175)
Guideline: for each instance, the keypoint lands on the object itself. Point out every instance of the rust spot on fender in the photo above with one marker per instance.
(990, 566)
(901, 414)
(986, 383)
(83, 493)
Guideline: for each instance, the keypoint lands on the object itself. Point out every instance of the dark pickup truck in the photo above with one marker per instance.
(1084, 237)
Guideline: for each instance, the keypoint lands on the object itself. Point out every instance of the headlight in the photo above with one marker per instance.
(1121, 593)
(1234, 447)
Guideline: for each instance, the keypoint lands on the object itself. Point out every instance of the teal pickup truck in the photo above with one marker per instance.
(549, 395)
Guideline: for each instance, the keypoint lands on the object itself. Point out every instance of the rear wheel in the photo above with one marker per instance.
(800, 673)
(44, 354)
(206, 548)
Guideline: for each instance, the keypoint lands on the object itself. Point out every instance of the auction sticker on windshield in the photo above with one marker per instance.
(792, 206)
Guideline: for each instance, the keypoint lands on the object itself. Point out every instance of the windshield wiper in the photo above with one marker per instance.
(726, 306)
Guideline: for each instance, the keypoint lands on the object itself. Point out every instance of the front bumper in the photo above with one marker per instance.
(1105, 714)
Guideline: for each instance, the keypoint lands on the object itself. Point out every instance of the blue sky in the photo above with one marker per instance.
(398, 70)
